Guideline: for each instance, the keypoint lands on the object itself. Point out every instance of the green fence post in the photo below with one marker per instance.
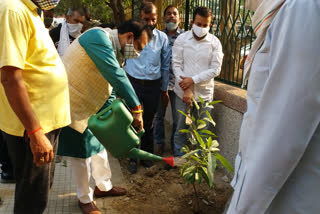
(186, 23)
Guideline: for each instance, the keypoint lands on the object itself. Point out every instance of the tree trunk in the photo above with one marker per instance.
(230, 43)
(118, 11)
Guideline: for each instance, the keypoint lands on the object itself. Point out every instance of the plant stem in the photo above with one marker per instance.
(197, 208)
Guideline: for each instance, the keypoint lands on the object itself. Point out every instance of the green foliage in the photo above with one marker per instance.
(99, 9)
(202, 155)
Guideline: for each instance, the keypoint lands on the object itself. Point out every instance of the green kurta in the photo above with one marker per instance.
(98, 46)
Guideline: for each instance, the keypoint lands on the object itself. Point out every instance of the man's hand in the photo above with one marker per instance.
(186, 82)
(165, 98)
(187, 96)
(137, 121)
(41, 148)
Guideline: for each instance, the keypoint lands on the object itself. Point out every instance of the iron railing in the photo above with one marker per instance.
(231, 24)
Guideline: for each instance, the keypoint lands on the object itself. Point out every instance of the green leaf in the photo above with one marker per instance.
(195, 104)
(204, 174)
(214, 161)
(201, 126)
(189, 170)
(215, 144)
(224, 162)
(200, 140)
(209, 142)
(184, 131)
(205, 131)
(210, 171)
(182, 113)
(207, 119)
(193, 141)
(190, 153)
(193, 118)
(201, 100)
(210, 118)
(201, 121)
(185, 149)
(196, 159)
(215, 102)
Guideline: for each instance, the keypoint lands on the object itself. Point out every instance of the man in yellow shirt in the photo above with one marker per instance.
(34, 99)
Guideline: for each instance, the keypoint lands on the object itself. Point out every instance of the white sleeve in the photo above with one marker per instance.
(177, 58)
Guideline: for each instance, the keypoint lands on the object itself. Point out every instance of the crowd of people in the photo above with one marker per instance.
(54, 77)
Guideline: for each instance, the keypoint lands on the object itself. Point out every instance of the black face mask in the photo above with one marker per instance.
(153, 26)
(48, 21)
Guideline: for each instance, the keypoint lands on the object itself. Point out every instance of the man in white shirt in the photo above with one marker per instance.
(196, 59)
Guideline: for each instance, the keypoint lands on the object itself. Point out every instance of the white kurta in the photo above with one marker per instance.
(278, 166)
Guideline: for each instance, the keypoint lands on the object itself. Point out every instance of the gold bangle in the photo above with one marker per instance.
(136, 112)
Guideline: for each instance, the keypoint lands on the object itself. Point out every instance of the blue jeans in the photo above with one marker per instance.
(159, 121)
(180, 139)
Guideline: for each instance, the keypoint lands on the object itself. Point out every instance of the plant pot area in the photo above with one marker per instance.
(157, 190)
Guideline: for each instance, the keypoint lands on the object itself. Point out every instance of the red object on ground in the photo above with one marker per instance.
(169, 160)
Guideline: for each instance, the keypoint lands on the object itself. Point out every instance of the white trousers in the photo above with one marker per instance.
(97, 166)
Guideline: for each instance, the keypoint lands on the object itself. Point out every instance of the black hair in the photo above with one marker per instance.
(147, 7)
(202, 11)
(109, 25)
(136, 26)
(167, 8)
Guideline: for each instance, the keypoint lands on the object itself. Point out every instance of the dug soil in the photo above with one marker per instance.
(157, 190)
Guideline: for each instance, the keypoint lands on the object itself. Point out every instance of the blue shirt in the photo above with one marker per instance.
(171, 42)
(153, 62)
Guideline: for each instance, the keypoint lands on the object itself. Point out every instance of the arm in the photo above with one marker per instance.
(214, 66)
(99, 48)
(18, 98)
(13, 54)
(165, 66)
(177, 58)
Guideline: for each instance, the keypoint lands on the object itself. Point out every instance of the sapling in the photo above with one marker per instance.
(201, 152)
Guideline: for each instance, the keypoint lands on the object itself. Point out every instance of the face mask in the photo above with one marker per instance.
(200, 31)
(47, 4)
(171, 26)
(74, 29)
(130, 52)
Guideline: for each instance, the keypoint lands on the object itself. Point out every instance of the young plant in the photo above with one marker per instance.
(201, 154)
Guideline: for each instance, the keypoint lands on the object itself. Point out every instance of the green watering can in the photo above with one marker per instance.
(112, 127)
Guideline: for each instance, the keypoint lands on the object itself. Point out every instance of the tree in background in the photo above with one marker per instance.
(107, 11)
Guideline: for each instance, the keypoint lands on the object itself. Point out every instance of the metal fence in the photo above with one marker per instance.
(231, 24)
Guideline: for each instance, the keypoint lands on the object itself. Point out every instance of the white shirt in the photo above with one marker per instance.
(200, 60)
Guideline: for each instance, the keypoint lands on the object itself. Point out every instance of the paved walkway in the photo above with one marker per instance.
(63, 199)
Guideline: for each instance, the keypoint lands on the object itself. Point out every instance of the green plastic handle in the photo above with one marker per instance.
(139, 134)
(102, 115)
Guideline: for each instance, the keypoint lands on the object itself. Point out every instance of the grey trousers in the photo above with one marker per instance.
(32, 182)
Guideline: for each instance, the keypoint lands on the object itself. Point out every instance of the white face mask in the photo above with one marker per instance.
(200, 31)
(74, 29)
(130, 52)
(171, 26)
